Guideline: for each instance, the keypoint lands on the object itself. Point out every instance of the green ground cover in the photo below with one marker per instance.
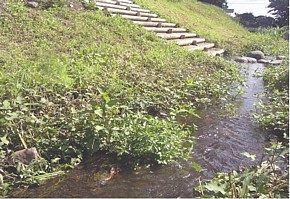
(74, 81)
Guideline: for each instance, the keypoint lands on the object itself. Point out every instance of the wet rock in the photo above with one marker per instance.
(251, 60)
(245, 59)
(32, 4)
(263, 61)
(26, 156)
(281, 57)
(241, 59)
(256, 54)
(276, 62)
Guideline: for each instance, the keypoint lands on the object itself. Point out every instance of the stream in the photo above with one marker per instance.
(220, 142)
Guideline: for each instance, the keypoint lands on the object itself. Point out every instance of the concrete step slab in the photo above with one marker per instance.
(176, 35)
(189, 41)
(165, 30)
(215, 51)
(108, 5)
(138, 18)
(119, 3)
(127, 12)
(200, 46)
(123, 1)
(154, 24)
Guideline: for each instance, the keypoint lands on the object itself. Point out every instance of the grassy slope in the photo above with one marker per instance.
(215, 25)
(54, 64)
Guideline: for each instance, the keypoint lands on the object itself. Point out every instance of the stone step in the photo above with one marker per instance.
(200, 46)
(138, 18)
(119, 3)
(215, 51)
(154, 24)
(151, 22)
(123, 1)
(107, 5)
(189, 41)
(127, 12)
(176, 35)
(165, 30)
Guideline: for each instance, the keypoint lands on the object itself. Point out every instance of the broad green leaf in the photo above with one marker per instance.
(6, 104)
(106, 97)
(112, 102)
(4, 139)
(12, 116)
(19, 99)
(98, 128)
(99, 112)
(196, 167)
(215, 187)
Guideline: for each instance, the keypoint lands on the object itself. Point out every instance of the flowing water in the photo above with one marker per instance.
(220, 143)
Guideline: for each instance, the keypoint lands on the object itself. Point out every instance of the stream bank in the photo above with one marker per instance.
(220, 142)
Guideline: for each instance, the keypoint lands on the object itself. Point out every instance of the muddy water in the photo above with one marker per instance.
(219, 144)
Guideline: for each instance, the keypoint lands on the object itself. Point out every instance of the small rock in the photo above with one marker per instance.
(256, 54)
(251, 60)
(281, 57)
(276, 62)
(32, 4)
(263, 61)
(26, 156)
(241, 59)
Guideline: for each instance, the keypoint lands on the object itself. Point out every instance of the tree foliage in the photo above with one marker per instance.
(280, 9)
(249, 20)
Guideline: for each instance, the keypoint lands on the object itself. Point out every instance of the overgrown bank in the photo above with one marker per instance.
(74, 82)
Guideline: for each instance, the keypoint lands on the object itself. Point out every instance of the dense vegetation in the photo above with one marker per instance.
(74, 82)
(249, 20)
(280, 9)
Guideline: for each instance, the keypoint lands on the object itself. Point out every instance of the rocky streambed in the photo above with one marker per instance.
(259, 57)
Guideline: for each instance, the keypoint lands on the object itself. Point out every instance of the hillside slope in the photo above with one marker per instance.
(214, 24)
(58, 64)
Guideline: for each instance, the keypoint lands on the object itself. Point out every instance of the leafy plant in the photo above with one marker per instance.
(266, 180)
(273, 113)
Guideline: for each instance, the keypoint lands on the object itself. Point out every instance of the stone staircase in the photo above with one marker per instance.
(151, 22)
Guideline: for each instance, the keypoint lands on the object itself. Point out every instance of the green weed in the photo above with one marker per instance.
(266, 180)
